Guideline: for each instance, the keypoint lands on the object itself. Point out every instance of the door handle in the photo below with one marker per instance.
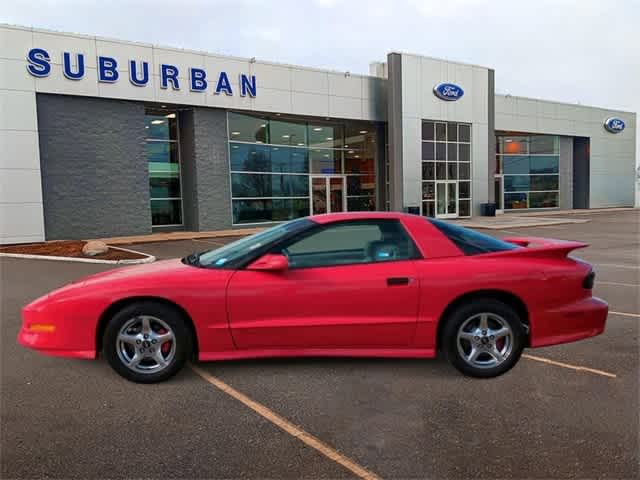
(393, 281)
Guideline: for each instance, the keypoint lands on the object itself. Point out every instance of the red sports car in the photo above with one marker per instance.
(355, 284)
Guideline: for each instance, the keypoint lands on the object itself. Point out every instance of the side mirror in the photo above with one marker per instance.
(270, 262)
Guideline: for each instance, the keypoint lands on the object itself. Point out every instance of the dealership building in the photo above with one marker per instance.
(101, 138)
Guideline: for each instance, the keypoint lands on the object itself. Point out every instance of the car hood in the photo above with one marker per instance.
(162, 267)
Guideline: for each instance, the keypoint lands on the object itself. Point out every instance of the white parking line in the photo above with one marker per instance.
(288, 427)
(615, 265)
(600, 282)
(624, 314)
(569, 366)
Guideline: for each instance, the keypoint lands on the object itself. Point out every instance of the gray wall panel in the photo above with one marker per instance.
(211, 160)
(95, 178)
(566, 172)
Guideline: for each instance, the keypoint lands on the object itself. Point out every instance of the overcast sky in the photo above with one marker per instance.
(583, 51)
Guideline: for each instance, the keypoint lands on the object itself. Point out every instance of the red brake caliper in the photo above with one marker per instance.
(166, 346)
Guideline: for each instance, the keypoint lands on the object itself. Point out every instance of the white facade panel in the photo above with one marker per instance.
(56, 44)
(309, 81)
(18, 110)
(310, 104)
(19, 185)
(345, 107)
(14, 75)
(56, 82)
(19, 149)
(21, 223)
(15, 42)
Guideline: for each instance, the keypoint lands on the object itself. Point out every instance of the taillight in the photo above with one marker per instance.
(589, 280)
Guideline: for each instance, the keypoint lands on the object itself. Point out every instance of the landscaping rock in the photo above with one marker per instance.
(94, 247)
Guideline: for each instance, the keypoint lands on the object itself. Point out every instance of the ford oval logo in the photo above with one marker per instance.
(448, 91)
(614, 125)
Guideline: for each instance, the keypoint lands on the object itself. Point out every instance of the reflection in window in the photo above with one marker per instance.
(163, 160)
(262, 144)
(269, 210)
(530, 165)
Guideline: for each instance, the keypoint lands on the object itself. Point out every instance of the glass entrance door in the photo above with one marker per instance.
(447, 199)
(328, 194)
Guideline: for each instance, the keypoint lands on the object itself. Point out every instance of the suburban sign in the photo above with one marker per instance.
(614, 125)
(108, 71)
(448, 91)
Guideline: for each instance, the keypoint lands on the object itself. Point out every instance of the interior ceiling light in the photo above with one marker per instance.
(363, 131)
(329, 138)
(263, 125)
(235, 133)
(163, 106)
(350, 151)
(301, 144)
(285, 136)
(171, 115)
(317, 129)
(157, 122)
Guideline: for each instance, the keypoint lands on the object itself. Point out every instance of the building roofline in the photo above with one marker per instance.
(440, 59)
(184, 50)
(558, 102)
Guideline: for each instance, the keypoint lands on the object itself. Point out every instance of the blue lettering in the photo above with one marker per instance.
(133, 73)
(107, 69)
(169, 73)
(198, 82)
(247, 85)
(224, 84)
(39, 65)
(67, 67)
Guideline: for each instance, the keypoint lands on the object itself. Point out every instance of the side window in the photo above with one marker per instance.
(351, 243)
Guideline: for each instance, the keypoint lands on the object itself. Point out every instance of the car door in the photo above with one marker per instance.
(349, 284)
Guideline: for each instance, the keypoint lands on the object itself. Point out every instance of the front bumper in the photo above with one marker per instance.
(569, 323)
(49, 336)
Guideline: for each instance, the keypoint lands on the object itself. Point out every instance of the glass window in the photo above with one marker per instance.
(269, 210)
(287, 133)
(441, 151)
(361, 185)
(544, 164)
(464, 171)
(164, 186)
(269, 185)
(515, 201)
(452, 171)
(470, 241)
(238, 250)
(441, 132)
(361, 204)
(428, 151)
(325, 161)
(464, 133)
(162, 152)
(465, 189)
(356, 162)
(452, 132)
(325, 136)
(543, 182)
(441, 171)
(464, 207)
(247, 128)
(452, 152)
(515, 164)
(543, 200)
(428, 190)
(428, 170)
(429, 209)
(250, 158)
(464, 152)
(359, 137)
(427, 131)
(289, 159)
(161, 126)
(166, 212)
(544, 144)
(516, 183)
(513, 145)
(351, 242)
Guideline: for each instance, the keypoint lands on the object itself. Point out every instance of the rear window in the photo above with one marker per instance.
(470, 241)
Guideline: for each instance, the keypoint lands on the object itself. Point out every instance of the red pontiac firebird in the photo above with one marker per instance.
(354, 284)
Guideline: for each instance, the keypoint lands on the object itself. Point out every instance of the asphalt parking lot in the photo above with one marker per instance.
(569, 411)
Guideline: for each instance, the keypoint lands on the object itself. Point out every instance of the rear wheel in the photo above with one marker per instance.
(146, 342)
(484, 338)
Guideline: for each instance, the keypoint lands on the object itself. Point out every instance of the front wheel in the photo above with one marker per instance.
(484, 338)
(146, 342)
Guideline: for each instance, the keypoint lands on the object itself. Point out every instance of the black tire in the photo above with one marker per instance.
(161, 316)
(466, 315)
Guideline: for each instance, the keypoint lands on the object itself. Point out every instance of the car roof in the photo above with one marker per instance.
(337, 217)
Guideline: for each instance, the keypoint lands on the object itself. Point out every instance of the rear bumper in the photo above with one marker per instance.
(576, 321)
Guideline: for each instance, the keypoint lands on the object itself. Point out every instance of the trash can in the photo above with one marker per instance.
(488, 209)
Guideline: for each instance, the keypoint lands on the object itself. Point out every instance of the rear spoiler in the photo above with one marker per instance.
(543, 247)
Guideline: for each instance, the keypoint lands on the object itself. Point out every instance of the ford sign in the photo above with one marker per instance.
(448, 92)
(614, 125)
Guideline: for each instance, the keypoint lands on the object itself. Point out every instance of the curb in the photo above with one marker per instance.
(128, 261)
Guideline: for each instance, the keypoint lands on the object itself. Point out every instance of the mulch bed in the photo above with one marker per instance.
(68, 248)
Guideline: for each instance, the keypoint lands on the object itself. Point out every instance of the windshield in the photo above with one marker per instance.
(224, 256)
